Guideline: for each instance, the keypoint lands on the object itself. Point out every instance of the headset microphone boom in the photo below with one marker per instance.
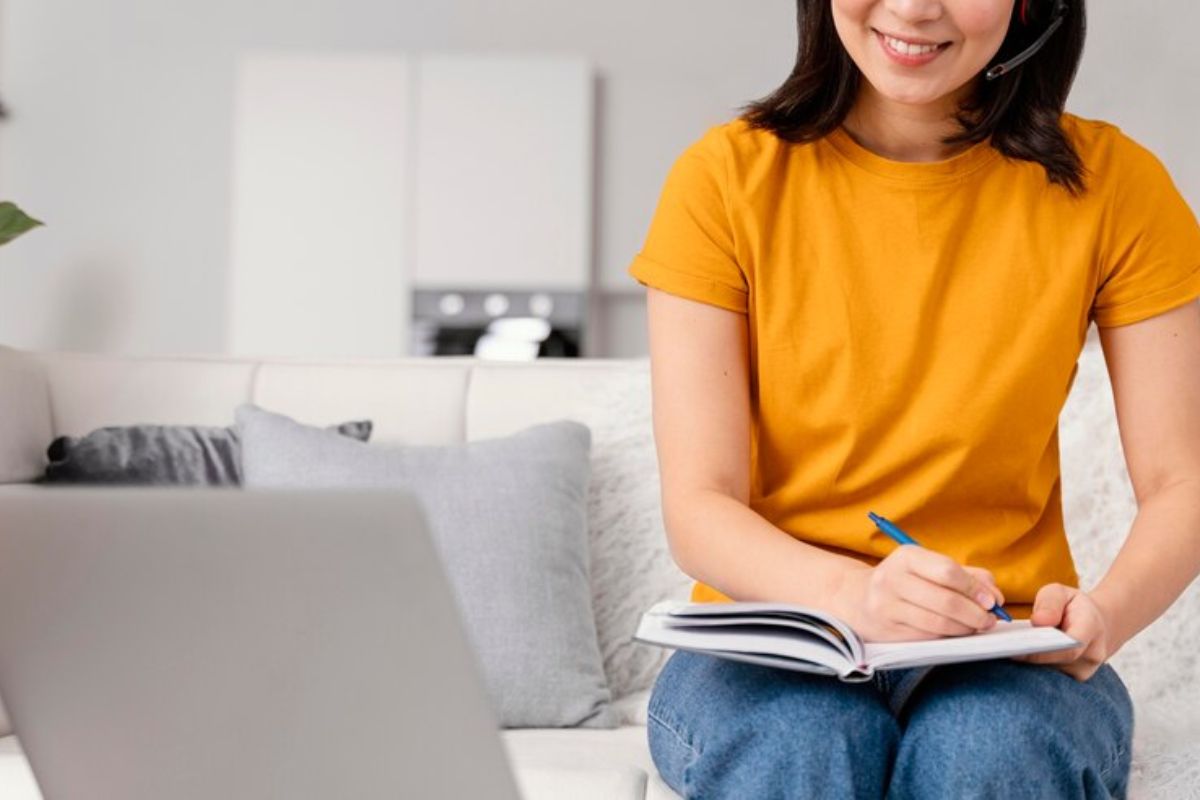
(1056, 19)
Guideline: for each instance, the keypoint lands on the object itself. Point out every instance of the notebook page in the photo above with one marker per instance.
(1005, 639)
(745, 622)
(776, 610)
(783, 643)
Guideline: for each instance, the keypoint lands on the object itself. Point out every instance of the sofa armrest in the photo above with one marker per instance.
(5, 725)
(25, 424)
(25, 428)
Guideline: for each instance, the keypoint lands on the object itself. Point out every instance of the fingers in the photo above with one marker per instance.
(903, 632)
(960, 615)
(930, 622)
(1079, 670)
(986, 576)
(945, 571)
(1049, 604)
(932, 593)
(1080, 673)
(1074, 662)
(1053, 657)
(1066, 608)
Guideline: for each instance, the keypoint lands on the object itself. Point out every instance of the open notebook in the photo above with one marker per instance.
(810, 640)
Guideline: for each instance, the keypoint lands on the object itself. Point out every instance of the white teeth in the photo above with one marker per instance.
(909, 49)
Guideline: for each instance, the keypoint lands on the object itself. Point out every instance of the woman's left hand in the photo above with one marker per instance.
(1079, 616)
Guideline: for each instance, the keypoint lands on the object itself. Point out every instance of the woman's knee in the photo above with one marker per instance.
(1008, 729)
(722, 728)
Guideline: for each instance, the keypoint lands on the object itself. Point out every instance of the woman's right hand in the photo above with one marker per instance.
(915, 593)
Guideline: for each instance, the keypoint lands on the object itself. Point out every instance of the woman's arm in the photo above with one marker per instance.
(701, 386)
(1154, 367)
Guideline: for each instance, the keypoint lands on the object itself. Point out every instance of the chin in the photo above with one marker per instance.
(913, 95)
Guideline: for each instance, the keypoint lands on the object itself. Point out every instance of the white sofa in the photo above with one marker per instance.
(428, 401)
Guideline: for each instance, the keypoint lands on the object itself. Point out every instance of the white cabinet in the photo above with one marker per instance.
(504, 172)
(319, 216)
(357, 178)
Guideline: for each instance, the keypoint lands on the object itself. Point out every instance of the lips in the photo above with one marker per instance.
(909, 56)
(909, 39)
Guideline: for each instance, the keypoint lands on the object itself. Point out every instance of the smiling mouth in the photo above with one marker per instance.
(915, 46)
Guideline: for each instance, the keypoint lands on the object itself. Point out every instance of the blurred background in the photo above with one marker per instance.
(397, 177)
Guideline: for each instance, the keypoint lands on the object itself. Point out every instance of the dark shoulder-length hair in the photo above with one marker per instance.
(1020, 110)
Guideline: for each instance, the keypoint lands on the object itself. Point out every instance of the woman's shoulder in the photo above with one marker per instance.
(1105, 149)
(741, 158)
(737, 140)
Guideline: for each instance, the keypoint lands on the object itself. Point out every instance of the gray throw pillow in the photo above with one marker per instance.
(508, 518)
(158, 455)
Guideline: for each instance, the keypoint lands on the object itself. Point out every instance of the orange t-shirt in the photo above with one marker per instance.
(914, 327)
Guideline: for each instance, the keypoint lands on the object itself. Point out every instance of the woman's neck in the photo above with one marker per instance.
(901, 131)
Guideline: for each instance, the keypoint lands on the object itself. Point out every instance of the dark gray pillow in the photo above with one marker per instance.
(509, 520)
(159, 455)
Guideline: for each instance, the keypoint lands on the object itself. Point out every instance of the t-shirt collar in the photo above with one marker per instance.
(922, 172)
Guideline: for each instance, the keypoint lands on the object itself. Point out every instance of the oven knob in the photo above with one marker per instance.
(451, 304)
(495, 305)
(541, 305)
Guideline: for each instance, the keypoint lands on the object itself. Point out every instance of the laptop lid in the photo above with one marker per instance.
(192, 643)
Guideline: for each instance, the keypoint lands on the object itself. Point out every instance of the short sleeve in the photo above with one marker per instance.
(689, 249)
(1150, 261)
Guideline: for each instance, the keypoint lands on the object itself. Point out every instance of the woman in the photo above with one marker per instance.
(869, 293)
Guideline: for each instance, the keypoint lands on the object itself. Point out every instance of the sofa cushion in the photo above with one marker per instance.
(582, 783)
(548, 765)
(508, 518)
(411, 401)
(158, 455)
(631, 563)
(89, 391)
(551, 763)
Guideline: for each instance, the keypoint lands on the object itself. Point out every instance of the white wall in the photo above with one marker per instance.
(121, 136)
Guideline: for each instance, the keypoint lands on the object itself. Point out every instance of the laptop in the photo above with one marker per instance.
(202, 643)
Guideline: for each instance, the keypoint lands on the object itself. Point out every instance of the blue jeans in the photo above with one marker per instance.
(1000, 728)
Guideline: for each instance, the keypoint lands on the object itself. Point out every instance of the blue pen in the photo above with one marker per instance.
(889, 527)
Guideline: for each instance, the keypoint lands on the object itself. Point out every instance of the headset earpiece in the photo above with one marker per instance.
(1026, 15)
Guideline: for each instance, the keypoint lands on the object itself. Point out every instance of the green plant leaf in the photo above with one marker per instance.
(14, 222)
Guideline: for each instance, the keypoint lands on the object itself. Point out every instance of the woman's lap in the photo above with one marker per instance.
(727, 729)
(722, 728)
(1040, 732)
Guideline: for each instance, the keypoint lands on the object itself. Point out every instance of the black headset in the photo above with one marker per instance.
(1057, 15)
